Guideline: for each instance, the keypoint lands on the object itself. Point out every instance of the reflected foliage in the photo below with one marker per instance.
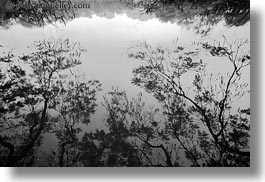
(202, 122)
(42, 98)
(30, 99)
(46, 106)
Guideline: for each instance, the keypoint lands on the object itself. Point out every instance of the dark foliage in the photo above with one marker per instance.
(202, 122)
(34, 12)
(199, 14)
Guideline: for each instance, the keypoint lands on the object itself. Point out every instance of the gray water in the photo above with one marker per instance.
(107, 41)
(107, 32)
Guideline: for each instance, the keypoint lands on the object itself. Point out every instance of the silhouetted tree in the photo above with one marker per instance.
(135, 129)
(74, 103)
(201, 121)
(26, 97)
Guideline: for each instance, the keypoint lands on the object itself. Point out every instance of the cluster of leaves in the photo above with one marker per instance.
(202, 122)
(35, 12)
(200, 14)
(28, 99)
(126, 120)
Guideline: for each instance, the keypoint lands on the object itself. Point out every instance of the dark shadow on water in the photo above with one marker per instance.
(253, 172)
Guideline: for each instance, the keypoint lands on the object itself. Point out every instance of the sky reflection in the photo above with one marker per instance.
(107, 41)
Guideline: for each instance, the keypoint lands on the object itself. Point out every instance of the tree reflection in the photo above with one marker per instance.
(27, 98)
(41, 96)
(198, 127)
(202, 122)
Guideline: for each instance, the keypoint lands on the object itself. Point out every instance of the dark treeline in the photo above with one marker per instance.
(199, 15)
(235, 13)
(33, 12)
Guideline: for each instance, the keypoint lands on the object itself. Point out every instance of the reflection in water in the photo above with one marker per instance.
(193, 109)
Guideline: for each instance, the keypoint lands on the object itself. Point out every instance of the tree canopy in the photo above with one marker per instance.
(199, 15)
(34, 12)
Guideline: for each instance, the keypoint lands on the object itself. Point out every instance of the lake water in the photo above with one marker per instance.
(108, 33)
